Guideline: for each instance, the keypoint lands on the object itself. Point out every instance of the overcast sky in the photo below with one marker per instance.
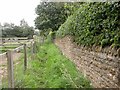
(12, 11)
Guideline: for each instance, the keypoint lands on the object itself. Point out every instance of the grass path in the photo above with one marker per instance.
(49, 69)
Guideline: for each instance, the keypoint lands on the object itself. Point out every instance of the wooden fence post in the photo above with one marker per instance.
(34, 47)
(25, 57)
(32, 54)
(10, 69)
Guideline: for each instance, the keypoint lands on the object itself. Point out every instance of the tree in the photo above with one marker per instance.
(50, 15)
(0, 26)
(0, 30)
(11, 30)
(23, 23)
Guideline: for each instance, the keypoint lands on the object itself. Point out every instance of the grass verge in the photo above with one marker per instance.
(49, 69)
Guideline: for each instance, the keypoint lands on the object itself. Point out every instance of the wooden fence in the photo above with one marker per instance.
(10, 66)
(13, 39)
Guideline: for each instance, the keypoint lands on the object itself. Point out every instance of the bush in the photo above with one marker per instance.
(94, 23)
(51, 36)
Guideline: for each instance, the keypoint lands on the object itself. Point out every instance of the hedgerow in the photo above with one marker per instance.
(94, 23)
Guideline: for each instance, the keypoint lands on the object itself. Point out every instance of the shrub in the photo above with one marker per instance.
(94, 23)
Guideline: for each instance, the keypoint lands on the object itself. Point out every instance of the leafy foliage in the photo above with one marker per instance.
(50, 15)
(94, 23)
(71, 7)
(11, 30)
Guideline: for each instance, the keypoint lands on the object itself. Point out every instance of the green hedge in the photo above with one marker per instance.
(94, 23)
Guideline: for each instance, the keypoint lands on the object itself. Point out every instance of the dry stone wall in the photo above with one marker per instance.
(100, 66)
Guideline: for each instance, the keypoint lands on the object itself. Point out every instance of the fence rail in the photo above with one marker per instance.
(9, 60)
(3, 54)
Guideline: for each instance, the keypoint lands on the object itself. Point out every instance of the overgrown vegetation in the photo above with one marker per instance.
(50, 69)
(94, 23)
(50, 15)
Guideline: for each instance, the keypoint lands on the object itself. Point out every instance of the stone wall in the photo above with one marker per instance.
(100, 66)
